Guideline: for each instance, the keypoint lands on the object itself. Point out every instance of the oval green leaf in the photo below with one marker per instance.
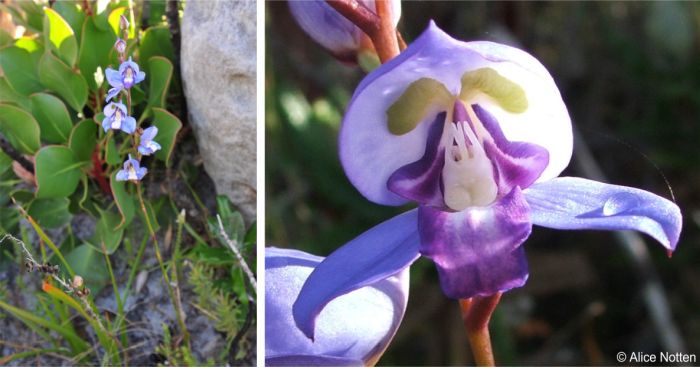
(107, 235)
(50, 213)
(95, 48)
(83, 140)
(59, 36)
(53, 117)
(57, 172)
(168, 126)
(58, 77)
(161, 72)
(20, 128)
(72, 14)
(415, 103)
(125, 201)
(20, 70)
(156, 42)
(90, 264)
(9, 95)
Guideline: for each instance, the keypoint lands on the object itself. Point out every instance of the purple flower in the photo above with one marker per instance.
(146, 145)
(124, 78)
(117, 119)
(120, 45)
(132, 171)
(332, 30)
(476, 133)
(353, 330)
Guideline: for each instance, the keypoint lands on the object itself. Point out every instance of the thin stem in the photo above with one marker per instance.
(232, 246)
(377, 26)
(476, 314)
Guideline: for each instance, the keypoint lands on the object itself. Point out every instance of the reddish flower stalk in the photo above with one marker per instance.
(98, 173)
(378, 26)
(476, 314)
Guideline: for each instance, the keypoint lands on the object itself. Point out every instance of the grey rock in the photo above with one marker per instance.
(218, 70)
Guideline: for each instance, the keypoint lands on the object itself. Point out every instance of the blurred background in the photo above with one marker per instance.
(630, 76)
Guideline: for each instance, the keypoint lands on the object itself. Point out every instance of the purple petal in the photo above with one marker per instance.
(128, 125)
(122, 175)
(577, 203)
(376, 254)
(353, 328)
(114, 78)
(478, 251)
(140, 76)
(106, 123)
(420, 181)
(516, 163)
(370, 153)
(140, 172)
(149, 134)
(112, 93)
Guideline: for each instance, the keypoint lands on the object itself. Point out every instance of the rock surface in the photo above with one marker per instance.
(218, 70)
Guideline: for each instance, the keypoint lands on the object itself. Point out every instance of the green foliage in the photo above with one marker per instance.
(68, 83)
(161, 71)
(20, 70)
(96, 46)
(108, 232)
(57, 172)
(168, 125)
(53, 118)
(59, 36)
(177, 355)
(20, 128)
(83, 140)
(90, 264)
(50, 213)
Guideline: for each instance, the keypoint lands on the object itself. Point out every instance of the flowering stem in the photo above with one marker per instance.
(378, 26)
(476, 314)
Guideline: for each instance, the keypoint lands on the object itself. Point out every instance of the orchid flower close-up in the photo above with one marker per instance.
(354, 330)
(475, 133)
(116, 118)
(132, 171)
(125, 77)
(332, 30)
(147, 145)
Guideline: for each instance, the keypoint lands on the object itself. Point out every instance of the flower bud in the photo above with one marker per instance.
(123, 23)
(331, 29)
(77, 282)
(120, 45)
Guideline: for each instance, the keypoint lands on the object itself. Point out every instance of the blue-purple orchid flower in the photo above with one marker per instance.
(146, 145)
(476, 134)
(332, 30)
(353, 330)
(132, 171)
(126, 77)
(116, 118)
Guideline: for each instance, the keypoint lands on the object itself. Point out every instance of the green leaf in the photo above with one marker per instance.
(83, 140)
(125, 201)
(60, 37)
(158, 81)
(34, 45)
(215, 256)
(90, 265)
(69, 84)
(57, 172)
(5, 38)
(53, 117)
(168, 126)
(113, 20)
(72, 14)
(20, 128)
(9, 95)
(95, 48)
(20, 70)
(107, 232)
(416, 103)
(231, 219)
(50, 213)
(156, 12)
(112, 153)
(156, 42)
(5, 162)
(34, 15)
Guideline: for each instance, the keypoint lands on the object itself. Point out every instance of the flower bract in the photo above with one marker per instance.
(146, 145)
(354, 330)
(476, 134)
(132, 171)
(117, 119)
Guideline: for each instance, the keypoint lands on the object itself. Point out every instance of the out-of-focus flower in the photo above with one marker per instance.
(476, 133)
(146, 145)
(353, 330)
(123, 23)
(132, 171)
(117, 119)
(120, 45)
(124, 78)
(331, 29)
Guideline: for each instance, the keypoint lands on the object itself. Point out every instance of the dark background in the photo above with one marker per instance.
(630, 76)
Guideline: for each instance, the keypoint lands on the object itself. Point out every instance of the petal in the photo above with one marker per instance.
(516, 163)
(114, 78)
(112, 93)
(106, 124)
(122, 175)
(149, 134)
(353, 328)
(129, 125)
(420, 181)
(140, 76)
(140, 172)
(376, 254)
(370, 153)
(478, 251)
(577, 203)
